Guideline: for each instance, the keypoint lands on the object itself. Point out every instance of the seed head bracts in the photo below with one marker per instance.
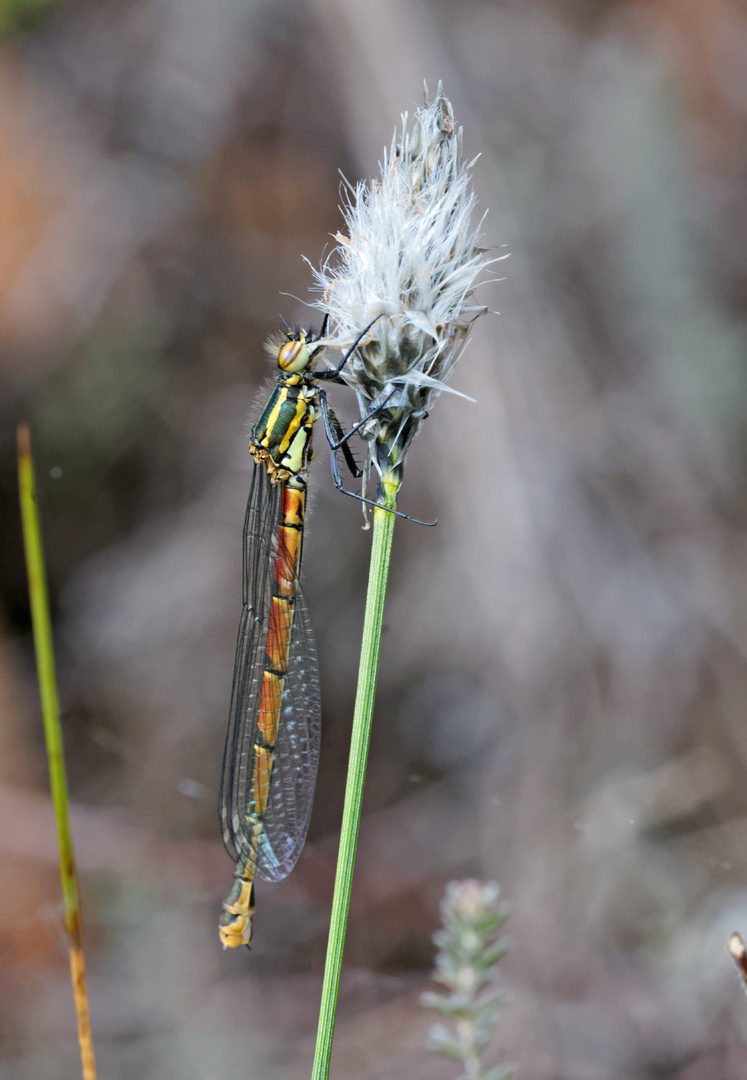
(412, 256)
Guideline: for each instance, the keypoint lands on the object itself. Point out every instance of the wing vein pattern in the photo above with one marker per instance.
(269, 829)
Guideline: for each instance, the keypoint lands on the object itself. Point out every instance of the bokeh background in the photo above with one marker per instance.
(564, 676)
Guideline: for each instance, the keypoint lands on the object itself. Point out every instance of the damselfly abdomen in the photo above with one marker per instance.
(272, 744)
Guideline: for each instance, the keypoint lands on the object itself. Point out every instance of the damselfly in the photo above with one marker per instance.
(272, 743)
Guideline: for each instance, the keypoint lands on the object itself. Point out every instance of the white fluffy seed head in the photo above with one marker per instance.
(410, 255)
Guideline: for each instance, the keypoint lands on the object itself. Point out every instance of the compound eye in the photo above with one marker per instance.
(294, 355)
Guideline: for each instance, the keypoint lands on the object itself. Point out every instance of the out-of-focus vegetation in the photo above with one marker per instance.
(22, 14)
(562, 688)
(469, 951)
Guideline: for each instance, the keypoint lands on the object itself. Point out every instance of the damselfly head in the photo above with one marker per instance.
(294, 354)
(294, 351)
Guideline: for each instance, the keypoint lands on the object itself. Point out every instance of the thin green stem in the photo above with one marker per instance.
(42, 628)
(381, 549)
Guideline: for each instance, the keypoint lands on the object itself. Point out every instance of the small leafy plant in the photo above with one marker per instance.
(469, 951)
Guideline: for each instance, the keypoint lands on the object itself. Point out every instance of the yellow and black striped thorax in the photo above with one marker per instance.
(281, 438)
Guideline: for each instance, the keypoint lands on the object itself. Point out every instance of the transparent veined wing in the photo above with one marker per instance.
(292, 780)
(286, 821)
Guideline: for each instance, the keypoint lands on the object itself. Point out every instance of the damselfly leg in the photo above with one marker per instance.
(272, 743)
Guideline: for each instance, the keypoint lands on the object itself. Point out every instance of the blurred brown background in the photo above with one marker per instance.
(563, 684)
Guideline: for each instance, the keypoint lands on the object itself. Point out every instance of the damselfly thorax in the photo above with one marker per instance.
(272, 744)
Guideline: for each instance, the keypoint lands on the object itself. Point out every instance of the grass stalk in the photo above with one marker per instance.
(381, 549)
(42, 629)
(406, 269)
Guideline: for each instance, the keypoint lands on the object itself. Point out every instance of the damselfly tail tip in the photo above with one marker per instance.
(237, 933)
(236, 923)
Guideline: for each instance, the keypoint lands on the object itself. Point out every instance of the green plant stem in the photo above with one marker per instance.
(42, 628)
(381, 549)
